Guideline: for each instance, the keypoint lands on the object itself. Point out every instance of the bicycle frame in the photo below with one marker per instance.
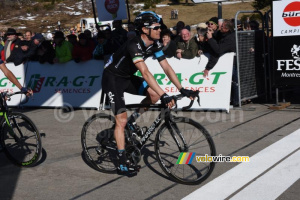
(166, 113)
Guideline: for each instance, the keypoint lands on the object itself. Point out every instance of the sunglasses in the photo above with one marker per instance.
(210, 24)
(154, 27)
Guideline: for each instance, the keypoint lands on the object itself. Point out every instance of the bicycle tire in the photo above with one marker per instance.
(96, 133)
(21, 140)
(167, 151)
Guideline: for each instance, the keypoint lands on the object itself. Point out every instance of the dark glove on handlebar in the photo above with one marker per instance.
(188, 93)
(24, 90)
(165, 99)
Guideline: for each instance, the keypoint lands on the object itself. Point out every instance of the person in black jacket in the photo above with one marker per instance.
(203, 47)
(170, 47)
(225, 44)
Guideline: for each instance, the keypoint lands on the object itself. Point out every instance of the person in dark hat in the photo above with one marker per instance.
(63, 48)
(83, 51)
(12, 41)
(212, 25)
(36, 43)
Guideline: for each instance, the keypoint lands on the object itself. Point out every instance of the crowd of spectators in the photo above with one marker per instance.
(215, 37)
(18, 48)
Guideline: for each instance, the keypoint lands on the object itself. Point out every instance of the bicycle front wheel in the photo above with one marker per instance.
(172, 148)
(97, 139)
(21, 140)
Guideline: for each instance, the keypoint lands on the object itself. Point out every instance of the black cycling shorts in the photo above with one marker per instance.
(115, 86)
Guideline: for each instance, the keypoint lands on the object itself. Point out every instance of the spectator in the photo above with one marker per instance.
(169, 48)
(63, 48)
(20, 53)
(45, 52)
(213, 25)
(112, 44)
(201, 41)
(203, 47)
(99, 51)
(28, 35)
(239, 24)
(224, 45)
(37, 40)
(88, 33)
(72, 39)
(187, 47)
(10, 43)
(179, 26)
(172, 14)
(119, 33)
(176, 13)
(83, 51)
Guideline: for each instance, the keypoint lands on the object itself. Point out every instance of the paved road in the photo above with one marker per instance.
(271, 139)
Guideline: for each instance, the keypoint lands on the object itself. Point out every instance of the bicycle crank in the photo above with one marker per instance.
(133, 154)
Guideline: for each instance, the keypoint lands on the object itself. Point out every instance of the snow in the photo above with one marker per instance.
(161, 5)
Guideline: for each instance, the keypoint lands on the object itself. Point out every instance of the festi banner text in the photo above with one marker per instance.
(214, 89)
(7, 86)
(111, 10)
(69, 84)
(286, 42)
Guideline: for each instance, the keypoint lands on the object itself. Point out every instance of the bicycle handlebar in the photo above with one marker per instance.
(180, 96)
(8, 95)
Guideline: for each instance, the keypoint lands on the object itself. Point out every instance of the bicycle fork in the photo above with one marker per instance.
(174, 130)
(10, 128)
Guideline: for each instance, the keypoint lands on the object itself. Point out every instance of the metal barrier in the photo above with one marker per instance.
(250, 61)
(269, 30)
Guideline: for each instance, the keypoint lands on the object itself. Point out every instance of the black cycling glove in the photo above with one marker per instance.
(165, 99)
(188, 93)
(24, 90)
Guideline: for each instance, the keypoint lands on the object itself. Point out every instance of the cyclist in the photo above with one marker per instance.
(118, 77)
(13, 79)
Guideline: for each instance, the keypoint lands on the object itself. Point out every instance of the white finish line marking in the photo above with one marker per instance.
(275, 182)
(235, 178)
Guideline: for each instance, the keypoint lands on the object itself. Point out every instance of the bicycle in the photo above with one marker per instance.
(175, 136)
(19, 137)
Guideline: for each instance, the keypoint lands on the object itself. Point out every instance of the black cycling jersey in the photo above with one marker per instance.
(122, 63)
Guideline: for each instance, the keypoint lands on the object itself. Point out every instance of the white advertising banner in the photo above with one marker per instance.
(73, 84)
(286, 18)
(111, 10)
(6, 85)
(214, 89)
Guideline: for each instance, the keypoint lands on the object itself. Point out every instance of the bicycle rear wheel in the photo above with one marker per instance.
(193, 138)
(98, 144)
(21, 140)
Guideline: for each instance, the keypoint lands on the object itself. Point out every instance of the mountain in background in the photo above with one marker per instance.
(41, 16)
